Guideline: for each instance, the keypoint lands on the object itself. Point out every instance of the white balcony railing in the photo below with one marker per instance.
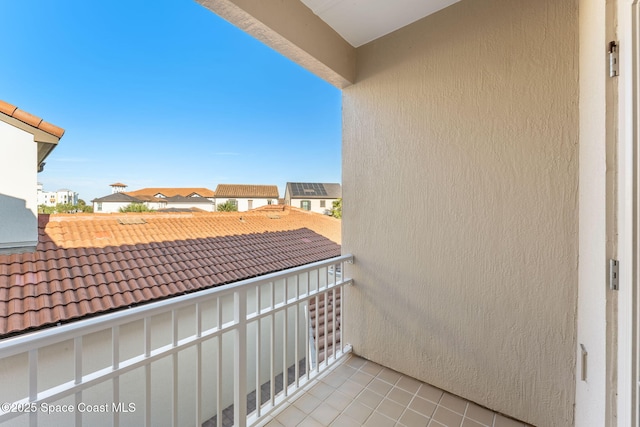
(227, 355)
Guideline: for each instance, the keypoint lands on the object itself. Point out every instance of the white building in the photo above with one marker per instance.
(52, 198)
(25, 142)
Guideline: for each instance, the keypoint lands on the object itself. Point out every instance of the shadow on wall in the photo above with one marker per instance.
(18, 225)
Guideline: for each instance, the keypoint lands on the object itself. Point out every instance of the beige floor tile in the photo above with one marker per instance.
(371, 368)
(430, 392)
(470, 423)
(369, 398)
(325, 414)
(345, 421)
(291, 416)
(378, 420)
(390, 408)
(501, 421)
(422, 406)
(409, 384)
(447, 417)
(338, 400)
(400, 396)
(311, 422)
(434, 423)
(361, 378)
(344, 371)
(479, 414)
(358, 412)
(335, 379)
(307, 403)
(389, 375)
(413, 419)
(351, 388)
(356, 362)
(274, 423)
(322, 390)
(379, 386)
(455, 403)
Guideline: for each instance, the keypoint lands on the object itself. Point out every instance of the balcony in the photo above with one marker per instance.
(201, 358)
(207, 358)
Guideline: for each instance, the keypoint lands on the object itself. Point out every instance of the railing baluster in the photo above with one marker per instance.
(219, 365)
(174, 369)
(297, 333)
(115, 362)
(258, 353)
(33, 385)
(198, 401)
(272, 376)
(77, 362)
(240, 352)
(316, 340)
(333, 320)
(147, 372)
(285, 338)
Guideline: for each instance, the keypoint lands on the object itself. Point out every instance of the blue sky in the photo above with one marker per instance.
(164, 94)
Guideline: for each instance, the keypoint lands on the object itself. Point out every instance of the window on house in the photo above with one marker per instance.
(99, 206)
(234, 202)
(305, 204)
(269, 202)
(250, 204)
(322, 203)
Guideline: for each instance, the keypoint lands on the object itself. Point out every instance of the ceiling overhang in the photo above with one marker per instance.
(362, 21)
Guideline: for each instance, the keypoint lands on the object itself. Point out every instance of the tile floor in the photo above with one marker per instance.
(362, 393)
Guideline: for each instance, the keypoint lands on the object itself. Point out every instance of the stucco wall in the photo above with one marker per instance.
(243, 203)
(18, 188)
(315, 204)
(468, 121)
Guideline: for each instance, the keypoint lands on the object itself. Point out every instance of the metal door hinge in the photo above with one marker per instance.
(613, 59)
(613, 275)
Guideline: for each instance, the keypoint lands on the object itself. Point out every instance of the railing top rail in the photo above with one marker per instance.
(45, 337)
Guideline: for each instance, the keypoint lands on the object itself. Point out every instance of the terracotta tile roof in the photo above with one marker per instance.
(118, 184)
(171, 192)
(89, 264)
(30, 119)
(244, 191)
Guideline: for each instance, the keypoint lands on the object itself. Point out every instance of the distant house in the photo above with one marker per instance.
(156, 198)
(114, 202)
(164, 192)
(247, 197)
(311, 196)
(25, 143)
(189, 203)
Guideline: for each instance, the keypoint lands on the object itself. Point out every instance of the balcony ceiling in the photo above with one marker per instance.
(361, 21)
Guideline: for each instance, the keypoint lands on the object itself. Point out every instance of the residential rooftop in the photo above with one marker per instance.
(247, 190)
(88, 264)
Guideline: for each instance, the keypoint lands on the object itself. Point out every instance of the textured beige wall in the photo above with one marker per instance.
(464, 127)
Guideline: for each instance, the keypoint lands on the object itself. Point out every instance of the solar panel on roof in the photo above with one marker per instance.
(307, 189)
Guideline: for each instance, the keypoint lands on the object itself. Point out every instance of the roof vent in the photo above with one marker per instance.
(131, 221)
